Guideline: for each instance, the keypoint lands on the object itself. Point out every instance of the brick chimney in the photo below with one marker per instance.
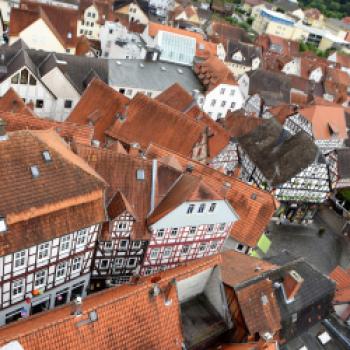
(292, 284)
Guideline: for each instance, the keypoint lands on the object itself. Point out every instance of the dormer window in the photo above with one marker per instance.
(3, 226)
(212, 207)
(201, 208)
(190, 209)
(47, 156)
(35, 171)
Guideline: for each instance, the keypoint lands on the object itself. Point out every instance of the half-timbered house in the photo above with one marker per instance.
(160, 215)
(51, 211)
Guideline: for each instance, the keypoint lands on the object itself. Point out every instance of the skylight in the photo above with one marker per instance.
(140, 174)
(3, 226)
(324, 338)
(47, 156)
(35, 171)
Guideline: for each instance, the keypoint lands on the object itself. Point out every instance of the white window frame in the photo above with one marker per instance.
(119, 265)
(131, 265)
(61, 270)
(40, 275)
(65, 243)
(201, 208)
(184, 253)
(77, 263)
(102, 267)
(213, 245)
(21, 255)
(154, 253)
(136, 244)
(202, 247)
(167, 252)
(160, 233)
(190, 208)
(126, 246)
(43, 251)
(212, 207)
(193, 230)
(18, 288)
(174, 231)
(81, 238)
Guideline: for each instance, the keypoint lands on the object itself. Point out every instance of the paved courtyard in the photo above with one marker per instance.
(325, 251)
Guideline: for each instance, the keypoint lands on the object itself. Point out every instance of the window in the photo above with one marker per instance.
(15, 79)
(32, 80)
(43, 251)
(19, 259)
(129, 92)
(193, 230)
(39, 104)
(160, 233)
(240, 247)
(213, 102)
(232, 92)
(185, 249)
(201, 208)
(136, 245)
(81, 238)
(90, 32)
(233, 104)
(18, 288)
(213, 245)
(123, 244)
(132, 262)
(81, 31)
(24, 77)
(47, 156)
(61, 270)
(202, 247)
(108, 246)
(167, 252)
(68, 103)
(92, 24)
(223, 103)
(148, 271)
(222, 91)
(154, 253)
(76, 265)
(190, 209)
(118, 263)
(40, 278)
(122, 226)
(219, 115)
(212, 207)
(111, 31)
(104, 264)
(3, 226)
(35, 171)
(222, 227)
(174, 231)
(89, 14)
(65, 243)
(210, 228)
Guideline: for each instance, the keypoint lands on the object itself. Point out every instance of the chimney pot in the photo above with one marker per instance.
(292, 284)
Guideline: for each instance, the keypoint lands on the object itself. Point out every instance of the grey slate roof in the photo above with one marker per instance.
(248, 51)
(150, 75)
(277, 154)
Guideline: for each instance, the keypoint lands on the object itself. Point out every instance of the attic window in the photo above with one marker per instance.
(3, 226)
(35, 171)
(47, 156)
(140, 174)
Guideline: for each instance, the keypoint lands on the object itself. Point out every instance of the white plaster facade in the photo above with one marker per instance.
(89, 25)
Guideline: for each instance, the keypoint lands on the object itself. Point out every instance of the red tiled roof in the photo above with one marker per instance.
(253, 206)
(127, 318)
(288, 47)
(147, 120)
(238, 124)
(213, 72)
(259, 307)
(261, 345)
(282, 112)
(222, 32)
(69, 131)
(30, 203)
(12, 102)
(178, 98)
(342, 279)
(98, 107)
(62, 21)
(237, 267)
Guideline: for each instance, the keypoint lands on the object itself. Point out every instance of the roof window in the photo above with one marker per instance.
(324, 338)
(47, 156)
(3, 226)
(140, 174)
(35, 171)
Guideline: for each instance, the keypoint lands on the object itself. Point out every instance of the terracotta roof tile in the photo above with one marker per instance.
(342, 279)
(12, 102)
(28, 201)
(324, 119)
(282, 112)
(178, 98)
(127, 318)
(261, 345)
(237, 267)
(253, 206)
(213, 72)
(222, 32)
(237, 124)
(99, 107)
(147, 120)
(69, 131)
(62, 21)
(259, 307)
(276, 44)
